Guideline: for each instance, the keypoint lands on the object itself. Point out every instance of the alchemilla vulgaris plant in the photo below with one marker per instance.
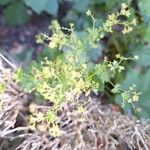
(71, 72)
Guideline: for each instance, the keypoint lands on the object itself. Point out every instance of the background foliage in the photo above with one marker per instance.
(17, 12)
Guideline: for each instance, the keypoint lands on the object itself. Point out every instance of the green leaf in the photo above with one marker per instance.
(26, 79)
(147, 34)
(142, 82)
(49, 53)
(5, 2)
(144, 54)
(28, 83)
(81, 5)
(116, 89)
(37, 5)
(144, 7)
(111, 4)
(24, 57)
(16, 14)
(50, 6)
(95, 53)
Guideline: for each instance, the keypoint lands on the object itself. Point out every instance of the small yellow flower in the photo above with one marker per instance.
(118, 56)
(125, 31)
(124, 5)
(111, 17)
(1, 88)
(130, 29)
(135, 98)
(88, 13)
(127, 13)
(136, 57)
(138, 110)
(134, 22)
(52, 44)
(55, 130)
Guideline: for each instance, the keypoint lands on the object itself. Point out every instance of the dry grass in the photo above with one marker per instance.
(100, 128)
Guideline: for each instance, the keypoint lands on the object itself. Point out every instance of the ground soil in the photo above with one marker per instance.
(16, 38)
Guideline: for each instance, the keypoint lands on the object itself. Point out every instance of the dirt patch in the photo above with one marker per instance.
(14, 39)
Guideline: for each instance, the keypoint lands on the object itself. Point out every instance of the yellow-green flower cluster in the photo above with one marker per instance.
(71, 72)
(129, 96)
(115, 20)
(115, 65)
